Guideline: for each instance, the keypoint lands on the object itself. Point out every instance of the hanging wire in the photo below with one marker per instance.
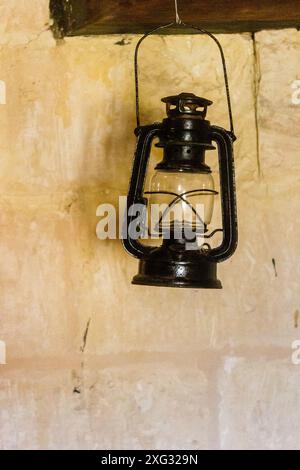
(177, 17)
(179, 23)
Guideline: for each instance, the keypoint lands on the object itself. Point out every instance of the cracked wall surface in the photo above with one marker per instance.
(92, 361)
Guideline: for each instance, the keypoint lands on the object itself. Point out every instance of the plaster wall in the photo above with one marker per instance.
(92, 361)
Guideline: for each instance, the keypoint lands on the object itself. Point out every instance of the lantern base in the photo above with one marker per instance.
(167, 268)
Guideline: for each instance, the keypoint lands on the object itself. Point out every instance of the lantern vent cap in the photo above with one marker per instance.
(186, 104)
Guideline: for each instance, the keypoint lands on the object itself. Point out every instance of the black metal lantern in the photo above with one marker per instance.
(183, 179)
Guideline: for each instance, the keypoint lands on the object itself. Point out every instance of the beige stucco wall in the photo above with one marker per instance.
(160, 368)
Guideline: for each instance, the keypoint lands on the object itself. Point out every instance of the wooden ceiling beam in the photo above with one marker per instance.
(95, 17)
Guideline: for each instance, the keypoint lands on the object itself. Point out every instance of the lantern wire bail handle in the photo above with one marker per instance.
(179, 23)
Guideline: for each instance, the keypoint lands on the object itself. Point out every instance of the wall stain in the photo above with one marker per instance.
(296, 318)
(256, 85)
(79, 377)
(82, 348)
(123, 42)
(78, 382)
(274, 266)
(73, 200)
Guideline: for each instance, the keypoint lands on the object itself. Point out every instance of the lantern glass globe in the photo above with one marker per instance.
(181, 198)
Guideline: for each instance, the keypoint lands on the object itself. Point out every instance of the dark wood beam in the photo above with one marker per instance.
(91, 17)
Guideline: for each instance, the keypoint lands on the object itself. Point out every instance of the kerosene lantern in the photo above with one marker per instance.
(182, 180)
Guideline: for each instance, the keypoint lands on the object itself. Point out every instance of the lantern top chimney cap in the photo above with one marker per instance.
(186, 103)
